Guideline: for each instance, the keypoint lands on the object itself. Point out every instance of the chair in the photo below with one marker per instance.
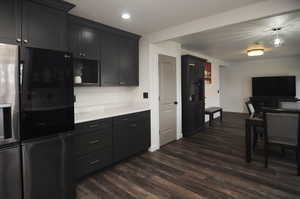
(257, 130)
(282, 128)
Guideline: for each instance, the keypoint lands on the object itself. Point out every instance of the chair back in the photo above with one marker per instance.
(289, 105)
(250, 108)
(282, 128)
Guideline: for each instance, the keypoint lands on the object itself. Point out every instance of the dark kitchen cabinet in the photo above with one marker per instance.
(44, 27)
(83, 41)
(129, 61)
(120, 60)
(10, 172)
(193, 94)
(131, 135)
(92, 146)
(47, 168)
(110, 59)
(10, 21)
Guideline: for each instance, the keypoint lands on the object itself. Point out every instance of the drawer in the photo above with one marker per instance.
(93, 162)
(92, 140)
(90, 126)
(129, 117)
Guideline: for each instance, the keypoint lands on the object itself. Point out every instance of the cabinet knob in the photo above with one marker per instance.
(25, 41)
(19, 40)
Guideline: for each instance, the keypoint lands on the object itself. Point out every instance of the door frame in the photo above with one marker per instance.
(161, 58)
(171, 49)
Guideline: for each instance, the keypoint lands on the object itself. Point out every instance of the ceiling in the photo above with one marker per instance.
(152, 15)
(230, 43)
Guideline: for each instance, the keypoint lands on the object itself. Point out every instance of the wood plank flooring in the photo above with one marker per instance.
(208, 165)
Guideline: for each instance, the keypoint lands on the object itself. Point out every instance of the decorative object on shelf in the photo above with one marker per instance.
(207, 73)
(78, 79)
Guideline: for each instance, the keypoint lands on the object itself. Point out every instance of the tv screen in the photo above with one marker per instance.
(282, 86)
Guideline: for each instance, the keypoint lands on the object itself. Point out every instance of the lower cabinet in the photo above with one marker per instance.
(100, 143)
(131, 135)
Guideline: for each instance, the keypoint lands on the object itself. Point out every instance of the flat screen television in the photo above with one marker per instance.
(281, 86)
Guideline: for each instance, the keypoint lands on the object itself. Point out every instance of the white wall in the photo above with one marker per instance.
(149, 81)
(104, 96)
(236, 86)
(211, 90)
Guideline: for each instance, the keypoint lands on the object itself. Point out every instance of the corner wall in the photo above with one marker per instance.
(149, 54)
(236, 85)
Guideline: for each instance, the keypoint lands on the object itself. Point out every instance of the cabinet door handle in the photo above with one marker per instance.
(94, 141)
(94, 162)
(21, 73)
(93, 125)
(25, 41)
(122, 83)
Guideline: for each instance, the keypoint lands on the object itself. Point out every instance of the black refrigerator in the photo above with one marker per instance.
(10, 155)
(193, 94)
(47, 121)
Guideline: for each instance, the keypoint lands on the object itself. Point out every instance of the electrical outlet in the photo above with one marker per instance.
(145, 95)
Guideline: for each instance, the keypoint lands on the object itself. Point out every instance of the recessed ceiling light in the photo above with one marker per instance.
(126, 16)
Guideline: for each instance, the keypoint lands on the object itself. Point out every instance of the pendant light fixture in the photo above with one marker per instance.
(277, 41)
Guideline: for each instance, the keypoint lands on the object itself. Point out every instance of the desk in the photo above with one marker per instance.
(251, 122)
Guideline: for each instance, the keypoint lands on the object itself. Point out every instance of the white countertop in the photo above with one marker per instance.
(95, 113)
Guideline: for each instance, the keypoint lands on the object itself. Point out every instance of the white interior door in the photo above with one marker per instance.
(167, 99)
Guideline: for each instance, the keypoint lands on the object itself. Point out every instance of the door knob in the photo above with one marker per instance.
(25, 41)
(19, 40)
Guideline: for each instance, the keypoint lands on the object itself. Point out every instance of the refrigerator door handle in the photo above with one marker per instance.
(21, 73)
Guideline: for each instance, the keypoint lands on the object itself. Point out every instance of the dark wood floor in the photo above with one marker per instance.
(208, 165)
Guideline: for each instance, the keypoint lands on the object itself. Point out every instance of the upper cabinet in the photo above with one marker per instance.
(117, 51)
(44, 27)
(43, 22)
(83, 41)
(10, 25)
(120, 60)
(129, 61)
(110, 59)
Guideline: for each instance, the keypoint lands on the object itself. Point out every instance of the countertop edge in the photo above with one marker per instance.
(94, 118)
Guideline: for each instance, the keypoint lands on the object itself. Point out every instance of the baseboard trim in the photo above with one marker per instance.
(153, 148)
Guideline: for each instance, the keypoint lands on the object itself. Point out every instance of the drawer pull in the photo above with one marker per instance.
(94, 141)
(94, 162)
(124, 119)
(93, 125)
(133, 125)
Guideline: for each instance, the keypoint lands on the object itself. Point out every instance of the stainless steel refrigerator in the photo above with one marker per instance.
(10, 158)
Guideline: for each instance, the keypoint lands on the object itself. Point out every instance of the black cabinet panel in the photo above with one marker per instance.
(46, 171)
(110, 59)
(10, 23)
(83, 41)
(131, 135)
(91, 141)
(129, 62)
(10, 172)
(44, 27)
(93, 162)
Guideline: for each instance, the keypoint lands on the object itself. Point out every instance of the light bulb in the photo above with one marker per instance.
(277, 42)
